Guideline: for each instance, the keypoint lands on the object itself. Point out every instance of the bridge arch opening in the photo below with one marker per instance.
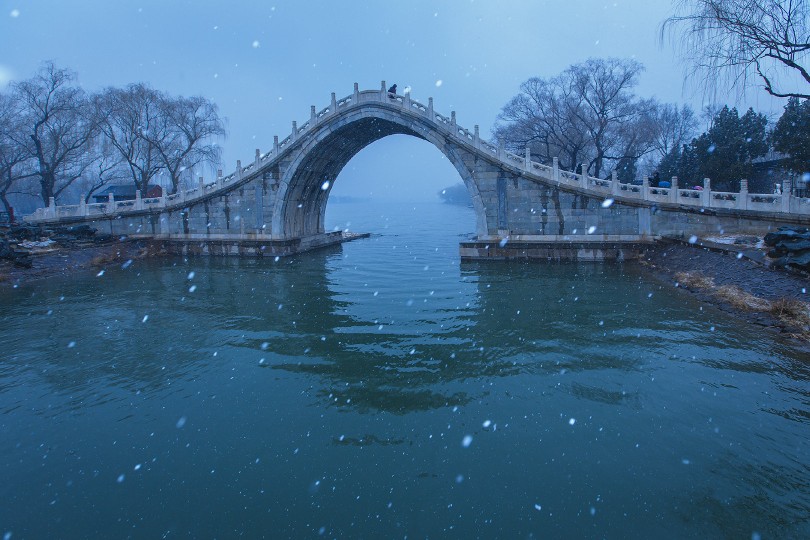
(300, 209)
(395, 178)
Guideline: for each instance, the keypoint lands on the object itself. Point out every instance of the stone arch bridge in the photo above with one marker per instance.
(275, 205)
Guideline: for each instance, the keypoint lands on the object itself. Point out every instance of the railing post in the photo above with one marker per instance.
(333, 103)
(527, 159)
(787, 194)
(706, 196)
(83, 207)
(383, 94)
(476, 137)
(614, 183)
(219, 178)
(645, 188)
(742, 198)
(258, 157)
(275, 144)
(238, 169)
(110, 203)
(453, 118)
(406, 100)
(294, 130)
(138, 200)
(202, 185)
(313, 117)
(52, 206)
(673, 191)
(555, 169)
(583, 177)
(356, 94)
(500, 150)
(431, 114)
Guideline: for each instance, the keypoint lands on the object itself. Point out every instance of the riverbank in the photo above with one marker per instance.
(738, 280)
(32, 253)
(52, 261)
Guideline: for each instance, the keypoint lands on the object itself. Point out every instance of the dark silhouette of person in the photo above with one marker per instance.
(393, 90)
(656, 178)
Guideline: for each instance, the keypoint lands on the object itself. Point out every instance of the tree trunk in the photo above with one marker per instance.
(46, 182)
(6, 204)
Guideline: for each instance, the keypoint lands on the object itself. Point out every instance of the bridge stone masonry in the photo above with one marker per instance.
(276, 204)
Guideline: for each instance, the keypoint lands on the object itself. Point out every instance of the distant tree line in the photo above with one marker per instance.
(456, 194)
(589, 117)
(55, 136)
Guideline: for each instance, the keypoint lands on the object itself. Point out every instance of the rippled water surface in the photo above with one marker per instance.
(382, 389)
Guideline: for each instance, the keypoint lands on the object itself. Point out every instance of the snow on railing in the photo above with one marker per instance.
(701, 196)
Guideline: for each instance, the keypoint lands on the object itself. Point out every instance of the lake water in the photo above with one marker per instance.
(382, 389)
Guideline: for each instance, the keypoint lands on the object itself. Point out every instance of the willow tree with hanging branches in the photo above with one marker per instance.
(744, 43)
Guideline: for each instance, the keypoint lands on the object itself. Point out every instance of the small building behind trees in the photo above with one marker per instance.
(771, 171)
(126, 192)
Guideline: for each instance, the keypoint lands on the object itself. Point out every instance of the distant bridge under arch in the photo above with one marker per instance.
(276, 204)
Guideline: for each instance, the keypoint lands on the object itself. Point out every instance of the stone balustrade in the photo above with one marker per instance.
(694, 196)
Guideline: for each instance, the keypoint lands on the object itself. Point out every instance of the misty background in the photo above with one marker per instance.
(265, 63)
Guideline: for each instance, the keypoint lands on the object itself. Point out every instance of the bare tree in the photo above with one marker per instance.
(543, 117)
(673, 127)
(735, 41)
(587, 114)
(58, 127)
(108, 168)
(610, 109)
(635, 137)
(134, 121)
(14, 157)
(192, 124)
(153, 132)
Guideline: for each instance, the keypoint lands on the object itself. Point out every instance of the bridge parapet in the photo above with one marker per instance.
(695, 197)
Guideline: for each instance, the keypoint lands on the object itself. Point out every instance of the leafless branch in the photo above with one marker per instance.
(737, 43)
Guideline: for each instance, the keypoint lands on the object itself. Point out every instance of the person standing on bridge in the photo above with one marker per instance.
(392, 91)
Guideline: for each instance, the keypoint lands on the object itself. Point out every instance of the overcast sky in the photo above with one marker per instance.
(264, 62)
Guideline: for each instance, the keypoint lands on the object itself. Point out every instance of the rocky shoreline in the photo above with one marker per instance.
(738, 279)
(32, 253)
